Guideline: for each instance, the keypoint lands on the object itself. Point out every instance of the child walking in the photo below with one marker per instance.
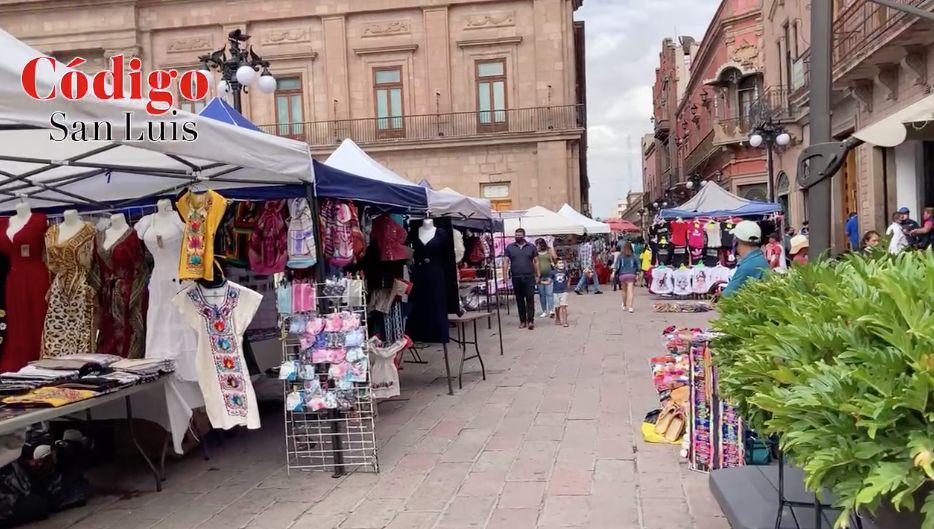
(559, 285)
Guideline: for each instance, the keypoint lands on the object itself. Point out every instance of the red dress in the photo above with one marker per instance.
(123, 296)
(27, 285)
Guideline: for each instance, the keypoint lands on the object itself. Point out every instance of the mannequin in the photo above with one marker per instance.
(71, 225)
(118, 227)
(23, 213)
(426, 231)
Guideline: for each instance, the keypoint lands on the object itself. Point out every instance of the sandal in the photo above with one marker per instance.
(675, 427)
(665, 418)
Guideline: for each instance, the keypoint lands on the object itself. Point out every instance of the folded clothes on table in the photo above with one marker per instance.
(49, 397)
(145, 366)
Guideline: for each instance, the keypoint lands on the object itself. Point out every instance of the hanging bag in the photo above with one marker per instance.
(268, 252)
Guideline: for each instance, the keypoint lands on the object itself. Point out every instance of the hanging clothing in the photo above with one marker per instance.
(25, 293)
(229, 398)
(712, 230)
(232, 242)
(268, 251)
(428, 321)
(168, 335)
(390, 237)
(202, 213)
(679, 233)
(696, 235)
(123, 274)
(71, 320)
(302, 248)
(4, 271)
(384, 375)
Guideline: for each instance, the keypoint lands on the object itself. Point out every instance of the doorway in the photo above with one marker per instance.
(848, 181)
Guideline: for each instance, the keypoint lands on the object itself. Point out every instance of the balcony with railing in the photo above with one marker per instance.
(733, 130)
(435, 127)
(863, 27)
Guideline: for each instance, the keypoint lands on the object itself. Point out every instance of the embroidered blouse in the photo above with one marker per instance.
(202, 214)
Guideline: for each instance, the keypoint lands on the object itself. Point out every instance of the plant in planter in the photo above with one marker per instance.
(838, 358)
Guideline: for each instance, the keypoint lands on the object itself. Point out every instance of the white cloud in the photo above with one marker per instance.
(624, 38)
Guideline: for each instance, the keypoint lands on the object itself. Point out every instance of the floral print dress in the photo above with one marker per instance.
(123, 274)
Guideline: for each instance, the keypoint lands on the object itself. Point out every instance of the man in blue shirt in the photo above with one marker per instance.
(852, 231)
(752, 263)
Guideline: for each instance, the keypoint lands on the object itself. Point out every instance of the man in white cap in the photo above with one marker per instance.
(752, 263)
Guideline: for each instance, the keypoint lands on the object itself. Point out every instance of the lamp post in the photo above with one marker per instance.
(238, 72)
(771, 135)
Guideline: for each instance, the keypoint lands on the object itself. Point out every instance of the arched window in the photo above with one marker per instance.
(782, 184)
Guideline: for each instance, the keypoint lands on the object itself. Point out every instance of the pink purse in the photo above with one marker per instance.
(303, 297)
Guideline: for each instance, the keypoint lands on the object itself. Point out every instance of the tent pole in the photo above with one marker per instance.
(337, 441)
(499, 321)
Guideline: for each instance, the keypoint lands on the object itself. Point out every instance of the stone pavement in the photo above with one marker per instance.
(550, 440)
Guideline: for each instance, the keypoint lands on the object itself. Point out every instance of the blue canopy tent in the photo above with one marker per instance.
(331, 182)
(714, 201)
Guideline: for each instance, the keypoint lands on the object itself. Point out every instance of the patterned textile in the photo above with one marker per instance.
(233, 239)
(71, 322)
(585, 255)
(221, 316)
(302, 249)
(682, 307)
(123, 296)
(202, 213)
(268, 252)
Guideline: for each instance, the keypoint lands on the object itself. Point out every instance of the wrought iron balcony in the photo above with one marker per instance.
(433, 127)
(864, 26)
(774, 103)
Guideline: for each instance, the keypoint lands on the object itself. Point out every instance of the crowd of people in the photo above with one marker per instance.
(537, 269)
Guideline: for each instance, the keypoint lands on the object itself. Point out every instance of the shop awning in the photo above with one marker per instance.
(622, 225)
(542, 221)
(893, 129)
(98, 174)
(592, 226)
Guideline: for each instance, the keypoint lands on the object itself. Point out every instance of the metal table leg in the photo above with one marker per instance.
(157, 475)
(476, 347)
(447, 369)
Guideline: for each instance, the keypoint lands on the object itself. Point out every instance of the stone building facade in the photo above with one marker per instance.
(704, 96)
(881, 59)
(484, 96)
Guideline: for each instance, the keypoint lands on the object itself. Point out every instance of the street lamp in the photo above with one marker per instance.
(771, 135)
(239, 71)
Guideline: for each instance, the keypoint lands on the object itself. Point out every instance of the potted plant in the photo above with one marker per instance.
(838, 359)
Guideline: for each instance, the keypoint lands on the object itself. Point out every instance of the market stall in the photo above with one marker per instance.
(693, 245)
(591, 226)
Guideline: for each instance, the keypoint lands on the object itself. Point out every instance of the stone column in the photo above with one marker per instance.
(335, 65)
(438, 57)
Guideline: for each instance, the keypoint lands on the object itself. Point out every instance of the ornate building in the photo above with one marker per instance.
(487, 97)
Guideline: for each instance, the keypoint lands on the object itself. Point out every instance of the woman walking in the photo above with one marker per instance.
(546, 260)
(626, 267)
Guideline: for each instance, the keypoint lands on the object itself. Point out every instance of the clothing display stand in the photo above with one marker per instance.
(340, 440)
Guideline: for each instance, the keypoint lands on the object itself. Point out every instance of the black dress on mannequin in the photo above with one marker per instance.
(428, 320)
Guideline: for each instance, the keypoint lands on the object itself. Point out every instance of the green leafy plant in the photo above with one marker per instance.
(838, 358)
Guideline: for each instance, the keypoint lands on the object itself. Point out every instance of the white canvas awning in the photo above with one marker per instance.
(592, 226)
(97, 174)
(892, 130)
(351, 158)
(542, 221)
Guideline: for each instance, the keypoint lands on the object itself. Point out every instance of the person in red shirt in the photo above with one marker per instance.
(773, 251)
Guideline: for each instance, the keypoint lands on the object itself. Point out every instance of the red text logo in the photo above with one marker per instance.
(124, 80)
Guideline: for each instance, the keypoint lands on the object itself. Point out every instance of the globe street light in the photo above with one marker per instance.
(769, 134)
(239, 71)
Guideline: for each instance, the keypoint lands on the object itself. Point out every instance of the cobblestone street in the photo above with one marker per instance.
(551, 439)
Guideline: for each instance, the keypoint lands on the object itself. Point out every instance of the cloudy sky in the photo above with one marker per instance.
(623, 41)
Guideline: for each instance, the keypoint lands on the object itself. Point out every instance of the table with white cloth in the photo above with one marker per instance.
(15, 419)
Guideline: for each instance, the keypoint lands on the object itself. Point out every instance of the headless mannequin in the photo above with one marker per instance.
(23, 214)
(70, 227)
(426, 232)
(118, 227)
(165, 222)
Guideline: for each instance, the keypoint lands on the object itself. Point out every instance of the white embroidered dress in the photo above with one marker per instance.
(221, 316)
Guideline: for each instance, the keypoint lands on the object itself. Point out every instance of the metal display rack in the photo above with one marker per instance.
(331, 439)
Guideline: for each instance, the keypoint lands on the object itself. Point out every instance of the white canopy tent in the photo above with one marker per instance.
(100, 174)
(542, 221)
(351, 158)
(592, 226)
